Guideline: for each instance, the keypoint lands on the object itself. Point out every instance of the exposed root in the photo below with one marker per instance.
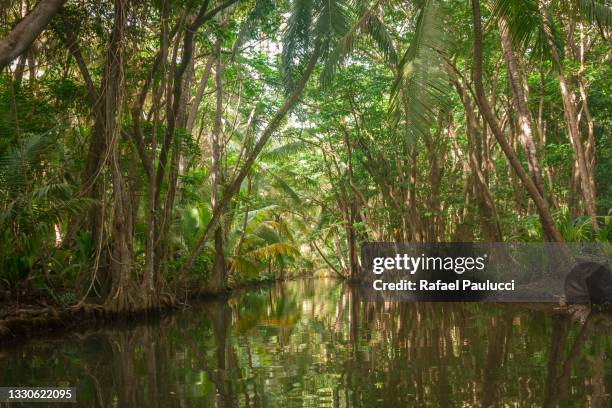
(125, 304)
(27, 320)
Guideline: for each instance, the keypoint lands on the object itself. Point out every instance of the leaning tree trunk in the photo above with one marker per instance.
(520, 101)
(489, 221)
(235, 184)
(25, 32)
(548, 224)
(571, 120)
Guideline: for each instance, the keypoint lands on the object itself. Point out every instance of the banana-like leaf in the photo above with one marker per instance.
(275, 249)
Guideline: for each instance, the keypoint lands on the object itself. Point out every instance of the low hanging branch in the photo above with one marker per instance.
(234, 187)
(331, 266)
(24, 33)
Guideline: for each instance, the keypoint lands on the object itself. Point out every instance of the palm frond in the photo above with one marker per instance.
(267, 234)
(377, 30)
(274, 250)
(260, 11)
(422, 87)
(257, 215)
(244, 266)
(284, 187)
(366, 23)
(52, 191)
(592, 11)
(280, 227)
(322, 222)
(282, 152)
(296, 38)
(526, 27)
(56, 213)
(17, 161)
(332, 20)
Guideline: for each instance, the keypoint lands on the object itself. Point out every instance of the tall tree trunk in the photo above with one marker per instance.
(120, 297)
(435, 157)
(417, 233)
(234, 186)
(548, 224)
(186, 59)
(176, 109)
(193, 112)
(351, 207)
(524, 116)
(219, 278)
(588, 118)
(520, 101)
(571, 120)
(150, 277)
(489, 221)
(176, 170)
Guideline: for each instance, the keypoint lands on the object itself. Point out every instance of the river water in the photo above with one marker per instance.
(314, 343)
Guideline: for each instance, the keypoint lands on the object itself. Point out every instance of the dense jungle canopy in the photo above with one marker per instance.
(150, 151)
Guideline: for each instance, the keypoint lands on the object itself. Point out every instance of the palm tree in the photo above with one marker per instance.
(313, 26)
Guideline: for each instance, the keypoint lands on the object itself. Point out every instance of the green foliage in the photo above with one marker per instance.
(32, 213)
(421, 87)
(526, 27)
(377, 146)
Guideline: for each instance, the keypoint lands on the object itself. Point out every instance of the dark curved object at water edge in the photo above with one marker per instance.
(589, 282)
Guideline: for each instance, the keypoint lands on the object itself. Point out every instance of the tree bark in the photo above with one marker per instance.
(520, 101)
(25, 32)
(234, 186)
(571, 120)
(218, 281)
(353, 214)
(120, 298)
(193, 112)
(186, 59)
(548, 224)
(491, 229)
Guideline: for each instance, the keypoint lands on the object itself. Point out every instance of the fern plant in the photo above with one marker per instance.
(33, 215)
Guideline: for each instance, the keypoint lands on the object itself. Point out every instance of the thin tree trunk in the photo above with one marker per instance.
(193, 112)
(571, 119)
(548, 223)
(352, 210)
(520, 101)
(435, 177)
(219, 278)
(245, 219)
(588, 118)
(491, 229)
(234, 186)
(186, 59)
(524, 116)
(150, 281)
(417, 233)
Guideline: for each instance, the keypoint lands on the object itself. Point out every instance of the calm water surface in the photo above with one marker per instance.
(314, 343)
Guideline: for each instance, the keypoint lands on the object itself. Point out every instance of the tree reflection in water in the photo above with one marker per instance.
(316, 343)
